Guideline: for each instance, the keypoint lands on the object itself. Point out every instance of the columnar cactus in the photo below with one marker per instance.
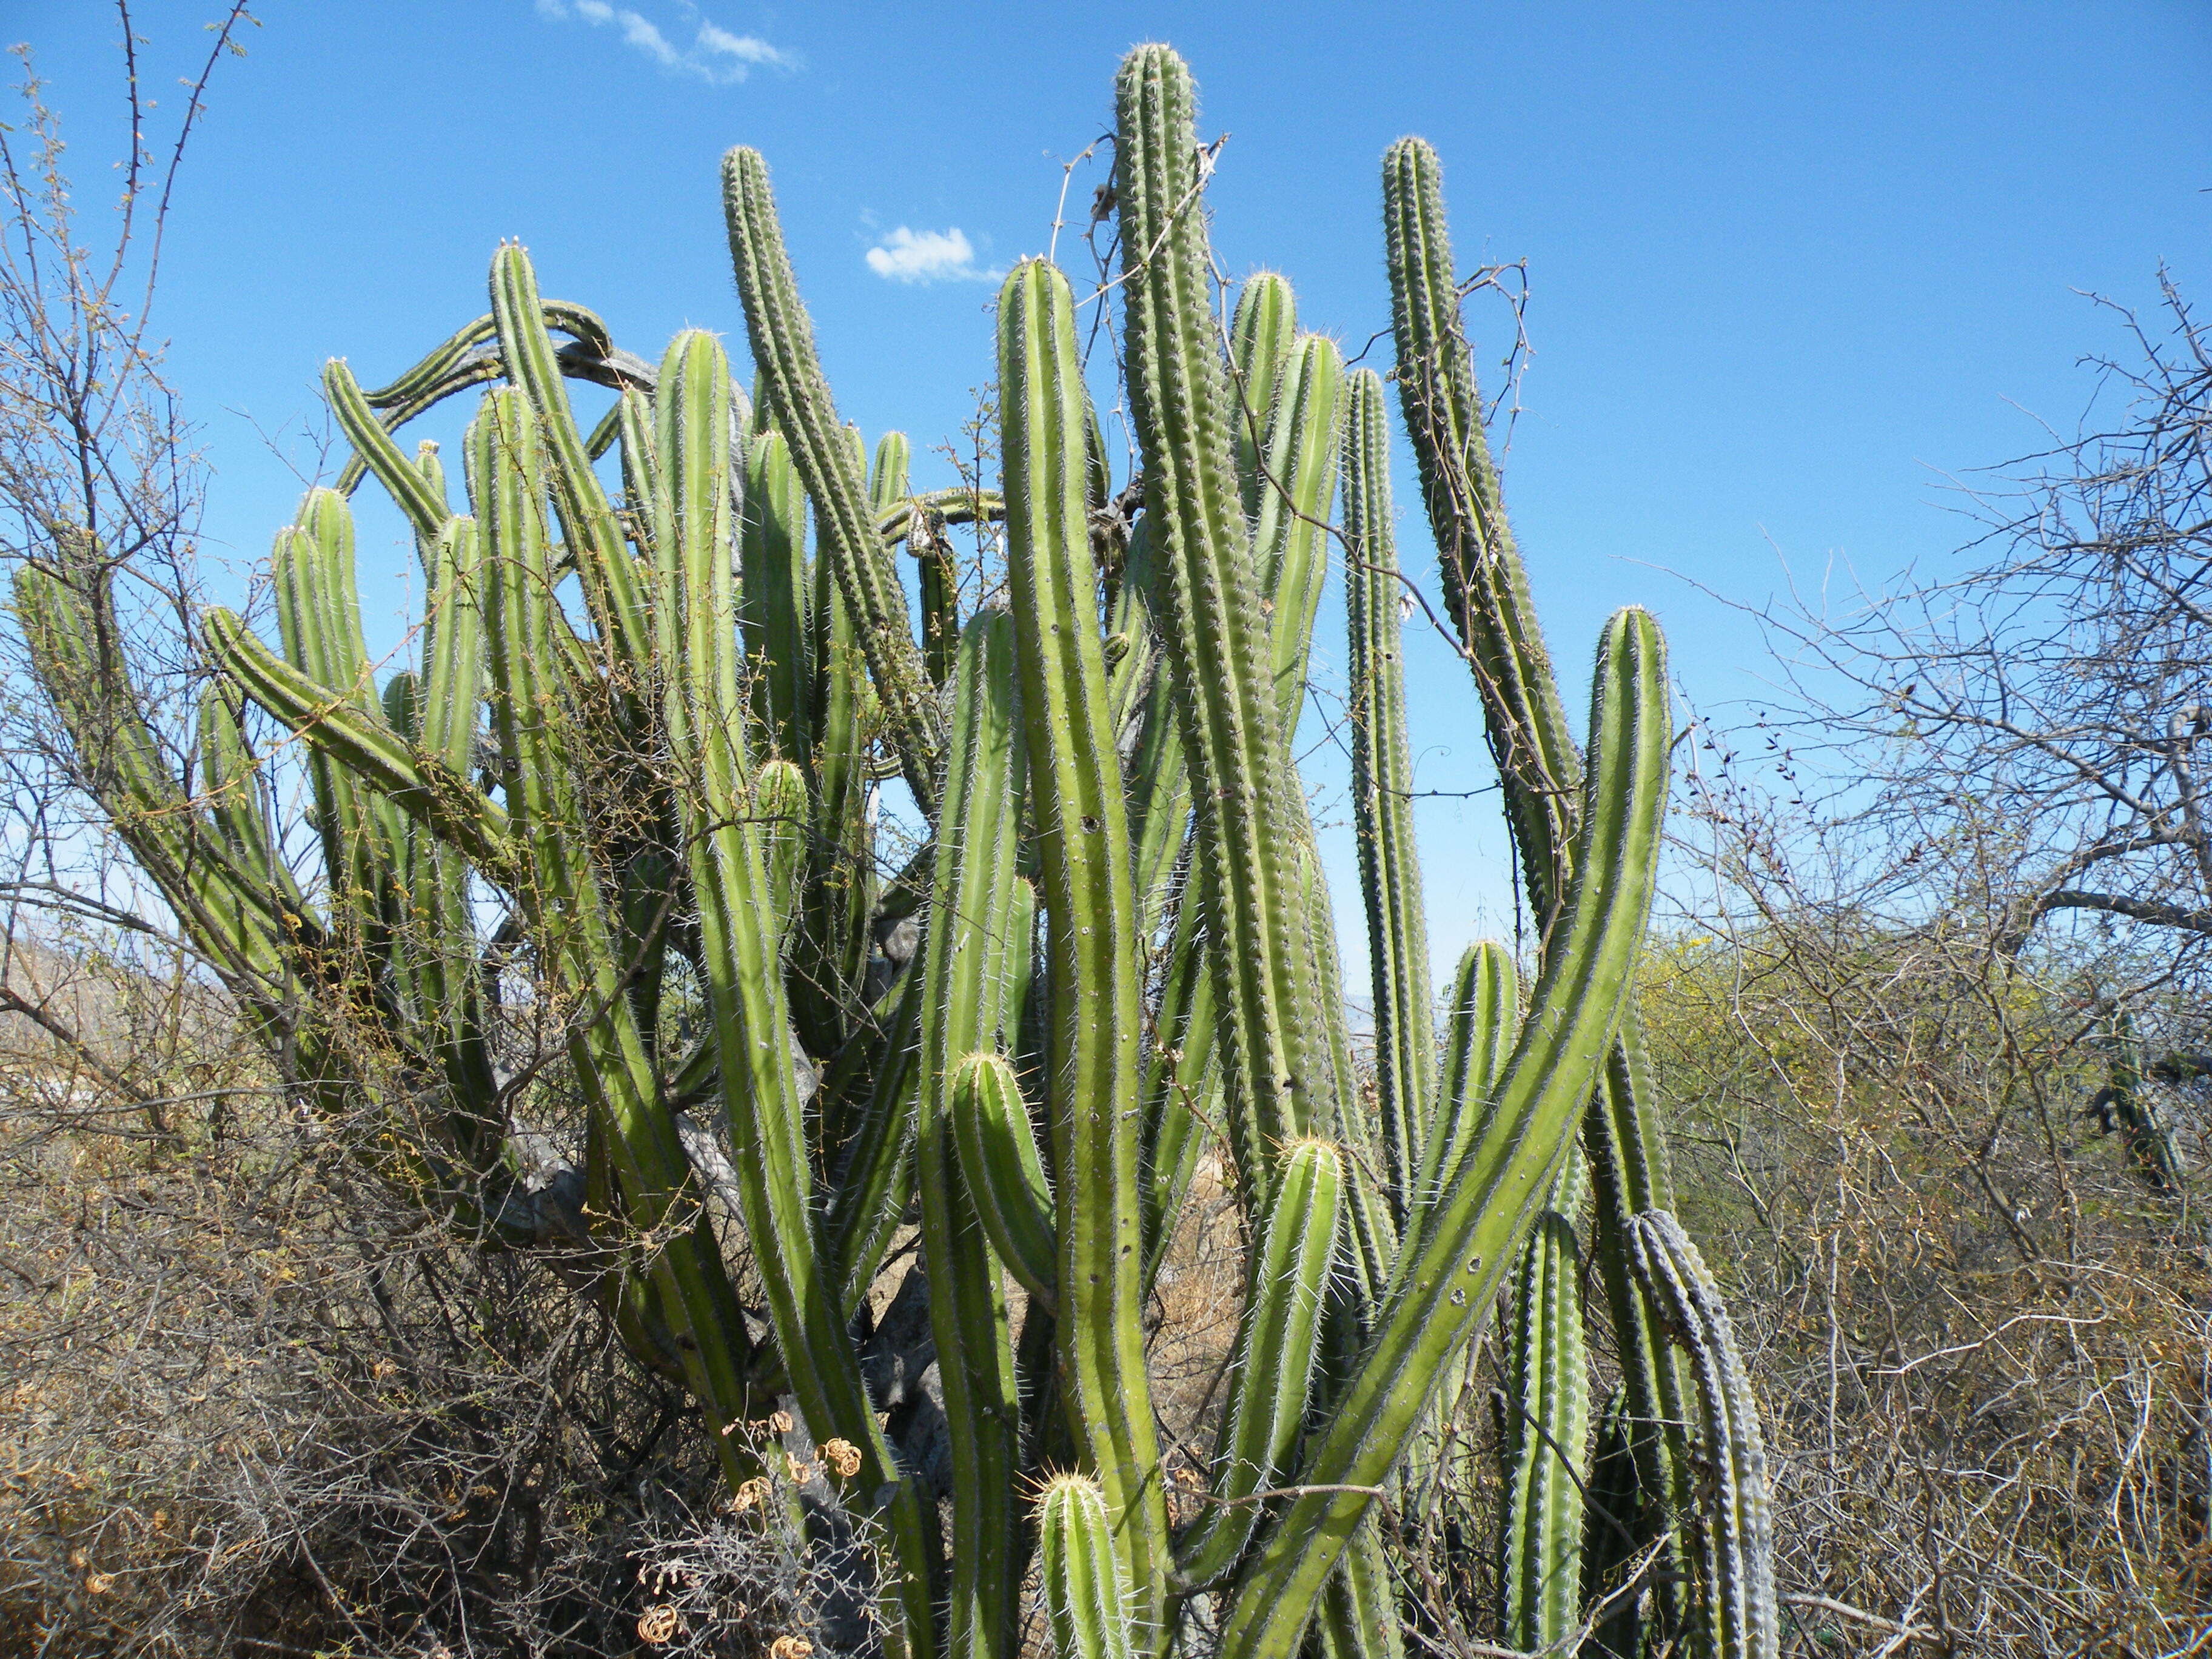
(1116, 949)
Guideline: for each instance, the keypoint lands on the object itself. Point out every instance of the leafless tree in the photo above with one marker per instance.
(2028, 735)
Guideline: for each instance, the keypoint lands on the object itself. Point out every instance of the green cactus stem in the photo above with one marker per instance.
(1448, 1277)
(972, 908)
(1547, 1428)
(799, 402)
(1276, 1346)
(1382, 797)
(1736, 1535)
(1275, 1060)
(1261, 334)
(1000, 1164)
(1086, 1590)
(1095, 975)
(703, 709)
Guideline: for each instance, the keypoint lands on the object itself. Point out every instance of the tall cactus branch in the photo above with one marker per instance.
(1448, 1277)
(1083, 856)
(1276, 1062)
(1382, 795)
(799, 402)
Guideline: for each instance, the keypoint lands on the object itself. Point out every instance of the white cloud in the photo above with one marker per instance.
(651, 41)
(716, 55)
(927, 256)
(745, 49)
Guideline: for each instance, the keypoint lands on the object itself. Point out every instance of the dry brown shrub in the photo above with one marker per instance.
(1981, 1337)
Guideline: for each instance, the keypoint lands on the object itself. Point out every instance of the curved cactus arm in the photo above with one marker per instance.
(1452, 1273)
(235, 918)
(1277, 1343)
(773, 596)
(470, 358)
(953, 505)
(798, 400)
(1275, 1060)
(973, 904)
(1261, 332)
(1087, 1596)
(1547, 1429)
(1382, 799)
(423, 505)
(1289, 539)
(453, 367)
(1484, 584)
(1737, 1533)
(419, 783)
(703, 713)
(436, 367)
(613, 591)
(1096, 982)
(1000, 1166)
(439, 364)
(1486, 1012)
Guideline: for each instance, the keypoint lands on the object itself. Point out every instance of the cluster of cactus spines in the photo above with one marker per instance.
(1736, 1552)
(1086, 1590)
(1125, 950)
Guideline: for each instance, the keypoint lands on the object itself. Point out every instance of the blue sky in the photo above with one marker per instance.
(1791, 266)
